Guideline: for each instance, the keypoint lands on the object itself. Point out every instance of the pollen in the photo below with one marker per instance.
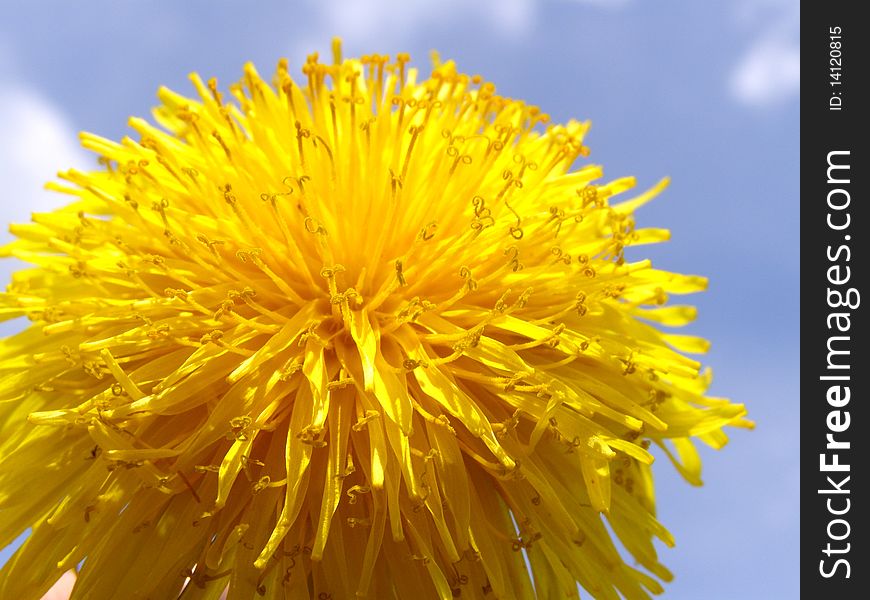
(362, 334)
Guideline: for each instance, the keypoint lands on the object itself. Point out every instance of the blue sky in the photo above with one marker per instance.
(706, 93)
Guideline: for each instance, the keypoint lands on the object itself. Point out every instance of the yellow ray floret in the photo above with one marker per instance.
(363, 335)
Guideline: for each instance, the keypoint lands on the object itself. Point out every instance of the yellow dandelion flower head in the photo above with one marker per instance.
(359, 335)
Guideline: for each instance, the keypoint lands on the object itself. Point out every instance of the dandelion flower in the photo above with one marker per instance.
(361, 335)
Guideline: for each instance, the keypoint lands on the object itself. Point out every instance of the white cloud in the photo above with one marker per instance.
(36, 141)
(768, 72)
(385, 25)
(394, 24)
(604, 3)
(398, 20)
